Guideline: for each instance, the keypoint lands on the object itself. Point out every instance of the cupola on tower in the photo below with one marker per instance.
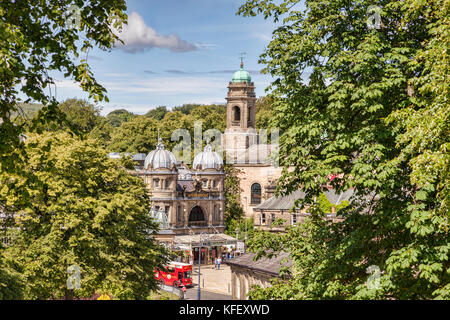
(240, 132)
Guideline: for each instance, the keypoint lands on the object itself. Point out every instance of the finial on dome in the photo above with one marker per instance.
(242, 54)
(160, 145)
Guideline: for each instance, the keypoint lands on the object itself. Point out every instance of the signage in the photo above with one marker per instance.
(197, 194)
(240, 246)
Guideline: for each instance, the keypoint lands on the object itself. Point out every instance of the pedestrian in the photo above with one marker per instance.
(218, 263)
(215, 263)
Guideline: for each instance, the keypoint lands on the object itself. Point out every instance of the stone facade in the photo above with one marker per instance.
(192, 201)
(256, 174)
(246, 272)
(242, 279)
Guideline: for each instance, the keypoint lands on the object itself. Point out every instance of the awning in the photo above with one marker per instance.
(206, 240)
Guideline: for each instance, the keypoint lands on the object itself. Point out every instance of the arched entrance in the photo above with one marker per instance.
(196, 216)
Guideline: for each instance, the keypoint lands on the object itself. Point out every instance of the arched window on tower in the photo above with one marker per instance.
(255, 193)
(237, 113)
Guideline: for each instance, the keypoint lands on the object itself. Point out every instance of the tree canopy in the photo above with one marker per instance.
(368, 103)
(78, 208)
(38, 37)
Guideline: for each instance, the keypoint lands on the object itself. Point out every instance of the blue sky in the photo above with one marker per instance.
(176, 52)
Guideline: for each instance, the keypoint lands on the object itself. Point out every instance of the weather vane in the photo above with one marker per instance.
(241, 55)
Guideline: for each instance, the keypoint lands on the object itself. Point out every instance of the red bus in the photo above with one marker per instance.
(177, 274)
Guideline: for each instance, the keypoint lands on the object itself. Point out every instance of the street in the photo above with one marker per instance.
(191, 294)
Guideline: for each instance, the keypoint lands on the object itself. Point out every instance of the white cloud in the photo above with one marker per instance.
(262, 36)
(166, 85)
(138, 37)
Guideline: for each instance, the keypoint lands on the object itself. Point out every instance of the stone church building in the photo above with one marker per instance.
(247, 149)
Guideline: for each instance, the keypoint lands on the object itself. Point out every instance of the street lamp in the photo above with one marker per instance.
(199, 260)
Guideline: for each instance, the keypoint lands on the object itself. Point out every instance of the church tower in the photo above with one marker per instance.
(240, 133)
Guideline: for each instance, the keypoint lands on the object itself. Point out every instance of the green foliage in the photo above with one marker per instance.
(326, 206)
(233, 208)
(157, 113)
(79, 208)
(244, 226)
(186, 108)
(117, 117)
(374, 110)
(134, 136)
(11, 282)
(163, 295)
(82, 115)
(264, 112)
(35, 39)
(139, 133)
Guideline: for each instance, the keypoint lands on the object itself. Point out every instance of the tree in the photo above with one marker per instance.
(102, 132)
(233, 208)
(186, 108)
(374, 110)
(11, 283)
(264, 112)
(137, 135)
(157, 113)
(212, 116)
(38, 37)
(81, 209)
(117, 117)
(81, 114)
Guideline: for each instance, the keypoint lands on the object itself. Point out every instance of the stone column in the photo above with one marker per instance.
(233, 284)
(242, 286)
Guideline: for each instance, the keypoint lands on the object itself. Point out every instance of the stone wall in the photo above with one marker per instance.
(264, 175)
(242, 279)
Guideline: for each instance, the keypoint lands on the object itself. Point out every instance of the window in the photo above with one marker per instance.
(294, 219)
(214, 184)
(166, 210)
(255, 193)
(205, 184)
(272, 217)
(179, 213)
(237, 113)
(156, 183)
(263, 218)
(215, 213)
(167, 183)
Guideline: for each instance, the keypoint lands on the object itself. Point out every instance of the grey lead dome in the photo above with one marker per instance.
(207, 159)
(160, 157)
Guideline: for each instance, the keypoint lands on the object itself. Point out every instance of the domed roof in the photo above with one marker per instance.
(159, 158)
(241, 75)
(207, 159)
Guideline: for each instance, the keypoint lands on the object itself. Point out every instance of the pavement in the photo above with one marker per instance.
(192, 294)
(215, 284)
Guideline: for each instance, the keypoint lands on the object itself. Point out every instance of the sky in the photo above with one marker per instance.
(176, 52)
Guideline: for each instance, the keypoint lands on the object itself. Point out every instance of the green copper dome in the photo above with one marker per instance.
(241, 76)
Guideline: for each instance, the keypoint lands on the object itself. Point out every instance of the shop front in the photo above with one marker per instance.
(207, 247)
